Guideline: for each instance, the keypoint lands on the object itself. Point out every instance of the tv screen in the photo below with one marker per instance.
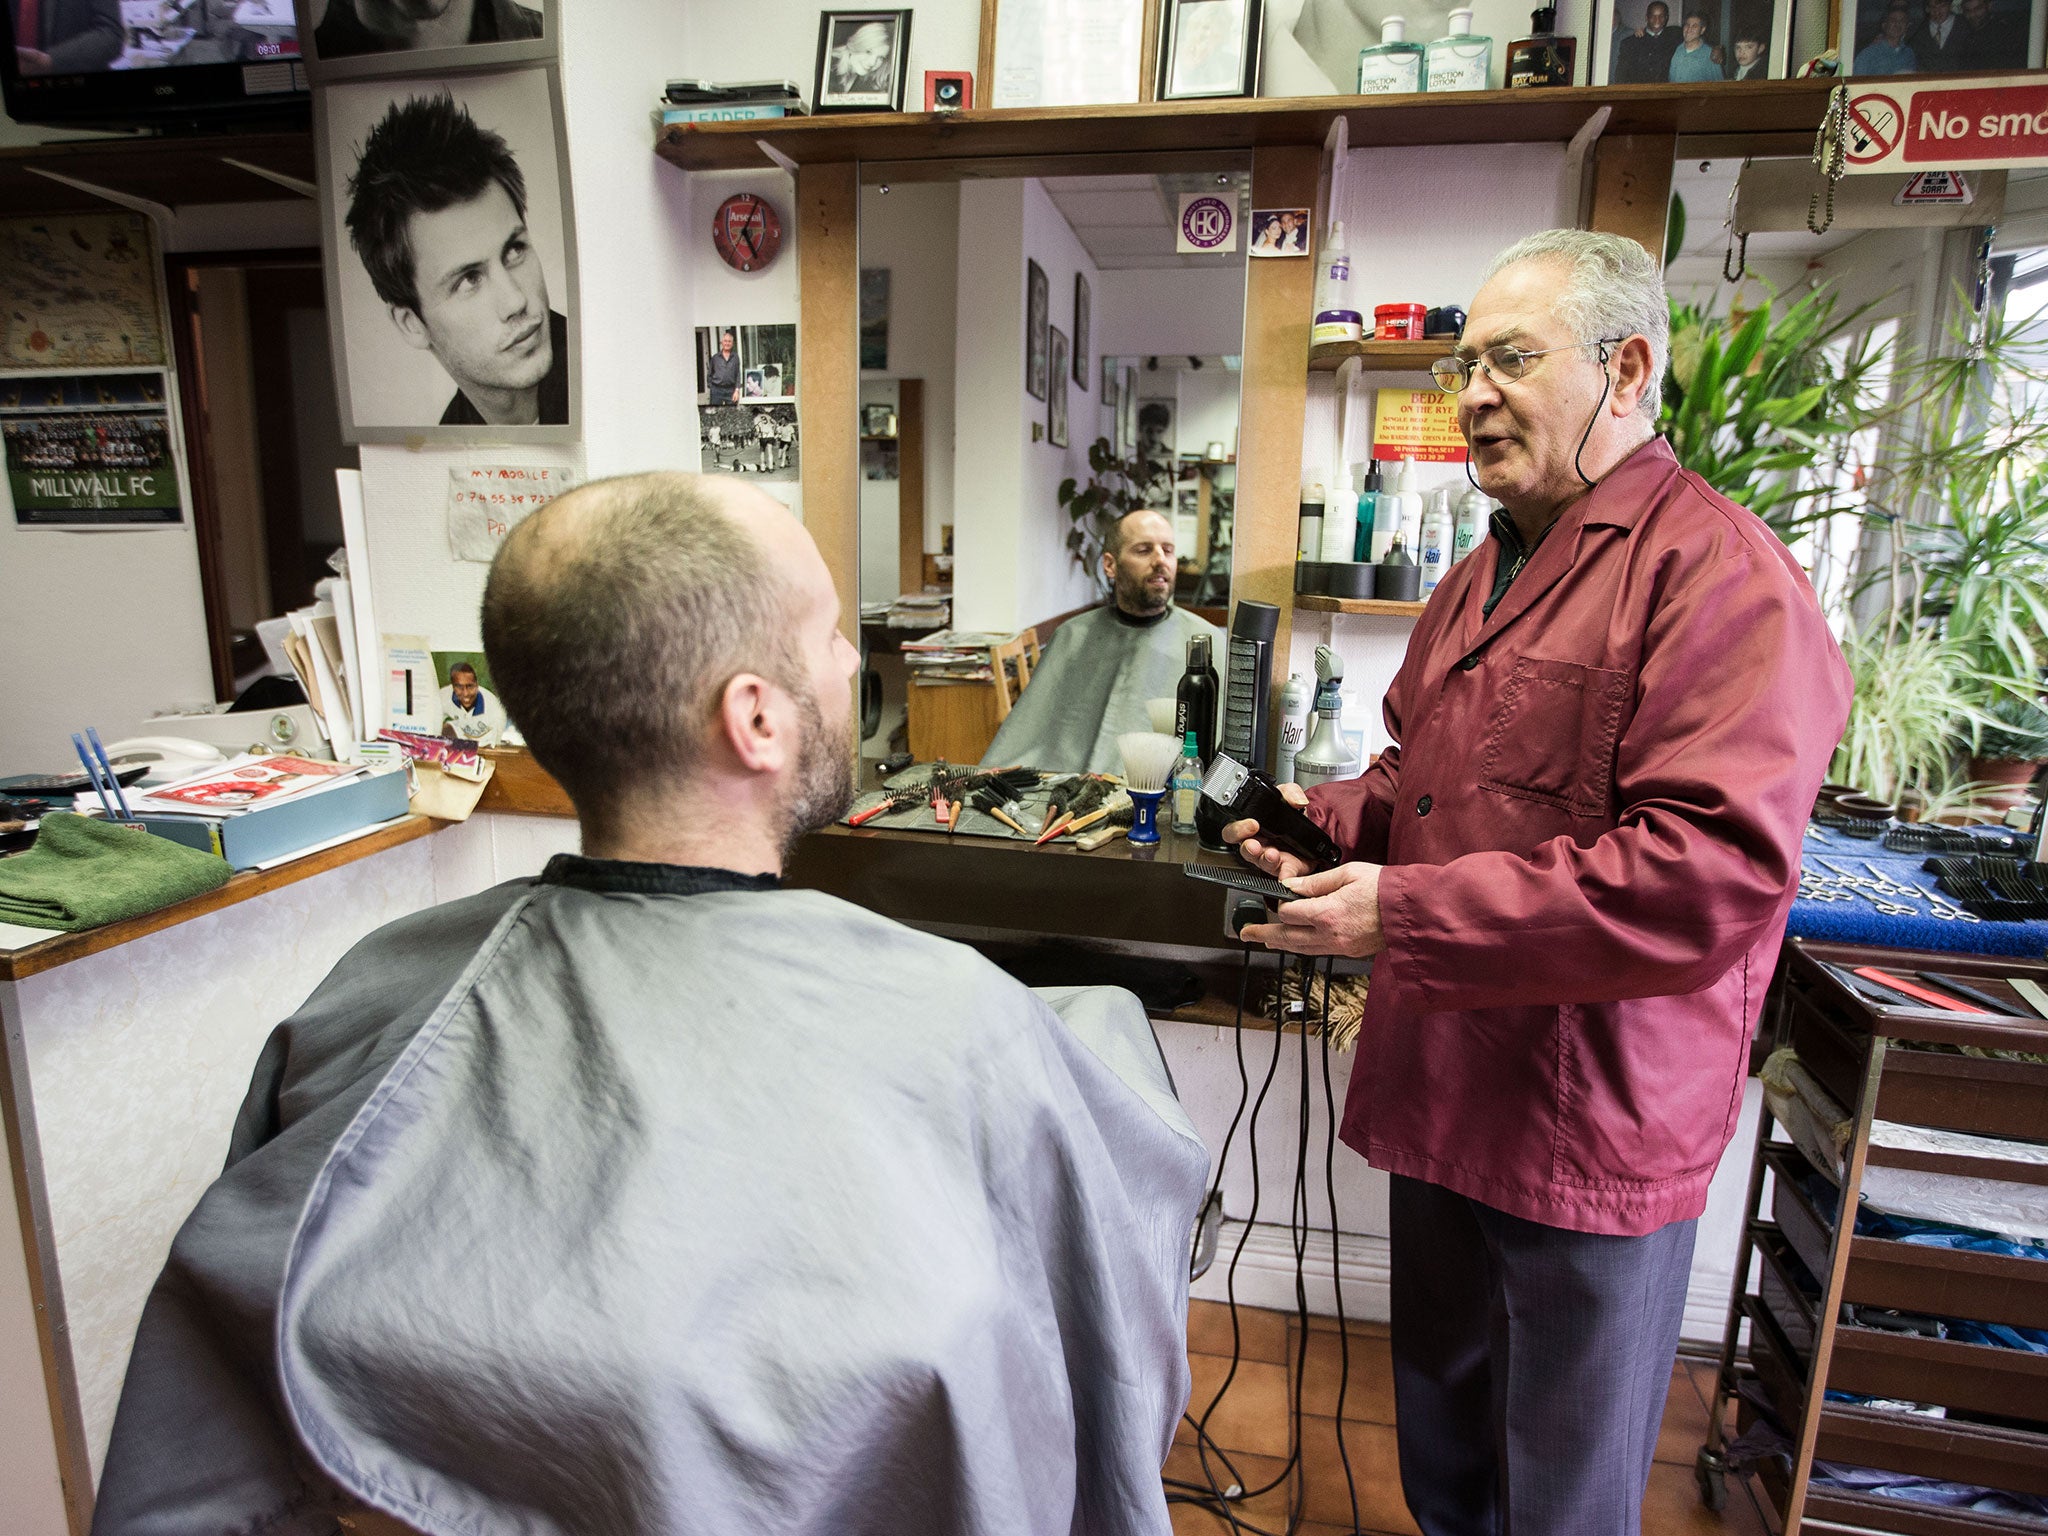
(122, 63)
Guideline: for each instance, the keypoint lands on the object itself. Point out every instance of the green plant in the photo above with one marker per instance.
(1913, 699)
(2017, 731)
(1756, 405)
(1115, 486)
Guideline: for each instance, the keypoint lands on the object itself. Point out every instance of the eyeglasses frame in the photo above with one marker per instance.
(1479, 361)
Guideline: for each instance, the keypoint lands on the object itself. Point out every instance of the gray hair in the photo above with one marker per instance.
(613, 619)
(1613, 288)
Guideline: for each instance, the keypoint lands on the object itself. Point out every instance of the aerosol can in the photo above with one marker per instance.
(1296, 699)
(1327, 757)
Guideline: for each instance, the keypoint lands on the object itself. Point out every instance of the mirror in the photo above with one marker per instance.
(1037, 356)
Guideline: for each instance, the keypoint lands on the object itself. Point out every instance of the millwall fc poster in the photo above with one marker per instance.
(89, 450)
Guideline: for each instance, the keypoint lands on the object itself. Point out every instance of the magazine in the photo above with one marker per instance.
(245, 782)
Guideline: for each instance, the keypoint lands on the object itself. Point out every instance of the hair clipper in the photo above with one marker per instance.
(1245, 792)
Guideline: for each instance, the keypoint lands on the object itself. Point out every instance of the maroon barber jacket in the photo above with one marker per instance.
(1592, 816)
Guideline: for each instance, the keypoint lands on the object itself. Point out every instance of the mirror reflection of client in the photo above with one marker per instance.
(437, 212)
(1099, 669)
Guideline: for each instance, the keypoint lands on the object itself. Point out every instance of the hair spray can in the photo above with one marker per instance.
(1295, 701)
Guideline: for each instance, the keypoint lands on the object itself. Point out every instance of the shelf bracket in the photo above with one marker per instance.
(1576, 188)
(163, 215)
(276, 178)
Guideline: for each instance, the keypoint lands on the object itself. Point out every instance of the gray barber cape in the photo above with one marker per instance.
(1091, 686)
(637, 1199)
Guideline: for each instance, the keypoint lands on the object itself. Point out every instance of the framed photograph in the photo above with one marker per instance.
(863, 61)
(874, 318)
(1691, 42)
(1037, 316)
(877, 421)
(1083, 303)
(1939, 37)
(1280, 232)
(1127, 410)
(1056, 406)
(351, 39)
(746, 400)
(1209, 49)
(1062, 53)
(452, 321)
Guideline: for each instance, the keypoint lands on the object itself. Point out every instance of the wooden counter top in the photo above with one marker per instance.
(62, 947)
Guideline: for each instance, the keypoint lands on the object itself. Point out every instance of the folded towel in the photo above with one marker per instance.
(83, 872)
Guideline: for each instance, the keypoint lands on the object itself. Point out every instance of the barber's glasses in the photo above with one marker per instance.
(1503, 364)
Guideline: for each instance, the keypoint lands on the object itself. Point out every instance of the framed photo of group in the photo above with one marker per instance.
(1940, 37)
(1691, 42)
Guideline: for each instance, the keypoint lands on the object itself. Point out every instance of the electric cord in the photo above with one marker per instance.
(1606, 384)
(1221, 1497)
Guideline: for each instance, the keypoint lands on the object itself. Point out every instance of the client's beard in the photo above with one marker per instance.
(824, 774)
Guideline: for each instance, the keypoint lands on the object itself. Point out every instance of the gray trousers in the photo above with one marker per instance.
(1531, 1366)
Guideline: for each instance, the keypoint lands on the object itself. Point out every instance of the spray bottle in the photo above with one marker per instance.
(1327, 757)
(1337, 315)
(1434, 555)
(1474, 512)
(1296, 699)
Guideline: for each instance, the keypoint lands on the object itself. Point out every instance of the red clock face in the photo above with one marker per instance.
(746, 232)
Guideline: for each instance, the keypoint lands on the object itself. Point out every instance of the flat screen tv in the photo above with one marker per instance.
(136, 63)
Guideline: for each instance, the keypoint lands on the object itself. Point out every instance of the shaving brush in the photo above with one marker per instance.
(1148, 761)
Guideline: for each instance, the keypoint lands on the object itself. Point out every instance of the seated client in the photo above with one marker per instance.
(1099, 670)
(650, 1196)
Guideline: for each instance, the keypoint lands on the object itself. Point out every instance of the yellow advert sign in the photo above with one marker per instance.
(1418, 424)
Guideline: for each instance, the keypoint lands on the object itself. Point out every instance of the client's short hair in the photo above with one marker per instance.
(425, 154)
(1114, 540)
(614, 618)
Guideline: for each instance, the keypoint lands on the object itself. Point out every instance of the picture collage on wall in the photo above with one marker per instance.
(746, 400)
(453, 321)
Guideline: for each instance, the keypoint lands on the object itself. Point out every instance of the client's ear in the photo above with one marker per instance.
(755, 717)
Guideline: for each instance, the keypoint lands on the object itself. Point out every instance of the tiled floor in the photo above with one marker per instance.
(1251, 1423)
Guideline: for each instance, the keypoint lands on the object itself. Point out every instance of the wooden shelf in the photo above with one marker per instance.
(1379, 356)
(1312, 602)
(1752, 110)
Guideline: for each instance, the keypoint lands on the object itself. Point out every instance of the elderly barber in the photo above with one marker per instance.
(1575, 866)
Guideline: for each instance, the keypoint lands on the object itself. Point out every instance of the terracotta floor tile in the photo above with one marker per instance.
(1262, 1334)
(1672, 1507)
(1252, 1415)
(1321, 1324)
(1369, 1388)
(1375, 1469)
(1685, 1421)
(1268, 1509)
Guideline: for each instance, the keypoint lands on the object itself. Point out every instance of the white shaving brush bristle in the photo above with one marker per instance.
(1148, 760)
(1160, 713)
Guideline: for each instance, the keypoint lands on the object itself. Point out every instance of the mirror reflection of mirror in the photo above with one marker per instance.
(1039, 361)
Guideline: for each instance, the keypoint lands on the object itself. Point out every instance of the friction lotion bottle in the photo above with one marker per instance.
(1458, 61)
(1393, 67)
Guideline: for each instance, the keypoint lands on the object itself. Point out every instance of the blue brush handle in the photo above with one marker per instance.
(1145, 820)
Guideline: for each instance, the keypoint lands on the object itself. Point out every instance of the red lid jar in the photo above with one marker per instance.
(1398, 322)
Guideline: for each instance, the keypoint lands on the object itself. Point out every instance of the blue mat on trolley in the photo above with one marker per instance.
(1858, 920)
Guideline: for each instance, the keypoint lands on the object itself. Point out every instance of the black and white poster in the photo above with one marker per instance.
(343, 38)
(450, 258)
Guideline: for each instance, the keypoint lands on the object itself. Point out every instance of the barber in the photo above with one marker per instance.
(1574, 866)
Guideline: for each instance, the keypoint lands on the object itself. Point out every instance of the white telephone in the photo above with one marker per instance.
(169, 757)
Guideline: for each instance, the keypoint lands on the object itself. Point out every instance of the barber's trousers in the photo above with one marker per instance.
(1531, 1366)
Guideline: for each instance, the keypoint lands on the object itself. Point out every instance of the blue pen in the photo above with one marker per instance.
(113, 782)
(85, 760)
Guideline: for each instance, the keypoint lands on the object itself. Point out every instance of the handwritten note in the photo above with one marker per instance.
(486, 502)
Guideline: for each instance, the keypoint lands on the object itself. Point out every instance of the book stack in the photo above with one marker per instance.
(911, 611)
(951, 655)
(706, 101)
(258, 809)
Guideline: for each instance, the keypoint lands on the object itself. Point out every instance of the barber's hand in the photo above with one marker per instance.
(1339, 914)
(1277, 862)
(31, 61)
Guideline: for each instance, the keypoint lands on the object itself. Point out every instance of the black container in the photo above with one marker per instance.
(1398, 583)
(1247, 680)
(1354, 579)
(1312, 577)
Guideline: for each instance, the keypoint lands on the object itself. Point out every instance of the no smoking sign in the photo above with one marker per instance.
(1873, 128)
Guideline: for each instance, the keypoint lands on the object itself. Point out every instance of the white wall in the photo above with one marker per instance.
(880, 509)
(914, 231)
(1170, 311)
(1208, 409)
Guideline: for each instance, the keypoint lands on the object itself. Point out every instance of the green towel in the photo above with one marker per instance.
(83, 872)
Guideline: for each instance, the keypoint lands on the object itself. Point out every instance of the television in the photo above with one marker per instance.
(173, 64)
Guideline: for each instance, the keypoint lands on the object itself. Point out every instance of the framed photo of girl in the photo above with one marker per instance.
(1691, 42)
(1209, 49)
(863, 61)
(349, 39)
